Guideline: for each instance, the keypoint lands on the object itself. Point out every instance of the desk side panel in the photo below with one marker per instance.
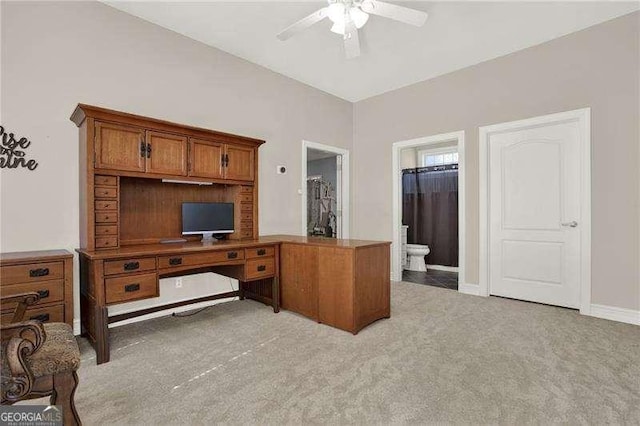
(299, 279)
(372, 285)
(335, 287)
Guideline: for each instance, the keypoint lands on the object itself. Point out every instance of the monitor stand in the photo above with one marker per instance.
(209, 237)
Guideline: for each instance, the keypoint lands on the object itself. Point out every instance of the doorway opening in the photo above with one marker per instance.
(325, 191)
(428, 211)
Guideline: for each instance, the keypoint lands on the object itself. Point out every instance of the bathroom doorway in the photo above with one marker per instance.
(428, 211)
(325, 191)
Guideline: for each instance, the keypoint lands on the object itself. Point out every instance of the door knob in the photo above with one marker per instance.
(571, 224)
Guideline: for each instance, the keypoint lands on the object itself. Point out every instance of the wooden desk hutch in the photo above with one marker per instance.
(135, 173)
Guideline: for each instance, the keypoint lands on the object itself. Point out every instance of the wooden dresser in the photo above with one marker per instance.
(48, 273)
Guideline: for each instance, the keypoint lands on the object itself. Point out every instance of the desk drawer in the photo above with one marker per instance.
(127, 266)
(107, 230)
(107, 242)
(260, 252)
(44, 314)
(246, 233)
(107, 217)
(131, 287)
(222, 256)
(106, 205)
(105, 192)
(49, 291)
(246, 207)
(106, 180)
(246, 217)
(260, 268)
(31, 273)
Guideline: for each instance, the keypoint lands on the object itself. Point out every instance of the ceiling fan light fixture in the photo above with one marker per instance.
(359, 17)
(336, 12)
(338, 28)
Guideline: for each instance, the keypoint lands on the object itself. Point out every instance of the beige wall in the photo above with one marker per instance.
(597, 68)
(55, 55)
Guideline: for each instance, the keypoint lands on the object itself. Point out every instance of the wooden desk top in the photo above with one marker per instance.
(30, 256)
(197, 246)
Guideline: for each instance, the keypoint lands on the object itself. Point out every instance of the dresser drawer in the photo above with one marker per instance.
(165, 262)
(44, 314)
(106, 242)
(246, 189)
(105, 192)
(106, 205)
(246, 217)
(106, 180)
(246, 198)
(260, 252)
(131, 287)
(49, 291)
(106, 217)
(246, 233)
(107, 230)
(246, 208)
(128, 266)
(31, 272)
(260, 268)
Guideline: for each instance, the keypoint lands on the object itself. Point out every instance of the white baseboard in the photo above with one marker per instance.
(443, 268)
(76, 327)
(473, 289)
(629, 316)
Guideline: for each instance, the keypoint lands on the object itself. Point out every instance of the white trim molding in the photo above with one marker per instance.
(342, 190)
(613, 313)
(396, 249)
(583, 117)
(466, 288)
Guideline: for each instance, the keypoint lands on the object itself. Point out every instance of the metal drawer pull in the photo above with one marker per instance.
(131, 266)
(41, 317)
(571, 224)
(43, 293)
(131, 287)
(175, 261)
(262, 268)
(232, 255)
(262, 252)
(40, 272)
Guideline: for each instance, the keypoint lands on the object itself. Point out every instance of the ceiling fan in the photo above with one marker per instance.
(350, 15)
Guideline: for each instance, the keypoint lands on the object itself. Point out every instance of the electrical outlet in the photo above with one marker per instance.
(178, 282)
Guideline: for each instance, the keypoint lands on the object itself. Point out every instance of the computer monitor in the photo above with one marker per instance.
(208, 219)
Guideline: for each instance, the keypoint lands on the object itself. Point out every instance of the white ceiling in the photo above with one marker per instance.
(456, 35)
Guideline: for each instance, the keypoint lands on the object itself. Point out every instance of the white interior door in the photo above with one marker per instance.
(534, 213)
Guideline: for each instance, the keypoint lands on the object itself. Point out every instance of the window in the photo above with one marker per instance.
(430, 159)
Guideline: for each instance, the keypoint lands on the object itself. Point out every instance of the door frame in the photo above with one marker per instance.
(342, 189)
(583, 117)
(396, 170)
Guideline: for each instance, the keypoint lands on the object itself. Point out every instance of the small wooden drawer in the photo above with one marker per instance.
(49, 291)
(107, 230)
(53, 313)
(127, 266)
(106, 242)
(105, 192)
(246, 233)
(31, 272)
(222, 256)
(246, 189)
(260, 268)
(246, 198)
(107, 217)
(246, 208)
(246, 224)
(259, 252)
(248, 217)
(106, 205)
(131, 287)
(106, 180)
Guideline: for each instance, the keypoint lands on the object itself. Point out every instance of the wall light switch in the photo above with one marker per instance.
(178, 282)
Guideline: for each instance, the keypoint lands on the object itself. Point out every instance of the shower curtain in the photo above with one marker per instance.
(430, 208)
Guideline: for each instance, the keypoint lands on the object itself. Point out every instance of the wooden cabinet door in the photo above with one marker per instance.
(299, 279)
(119, 147)
(205, 159)
(239, 163)
(166, 154)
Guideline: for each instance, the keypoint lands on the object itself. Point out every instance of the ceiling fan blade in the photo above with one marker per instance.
(397, 13)
(304, 23)
(351, 39)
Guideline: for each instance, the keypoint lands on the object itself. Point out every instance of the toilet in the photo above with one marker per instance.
(415, 255)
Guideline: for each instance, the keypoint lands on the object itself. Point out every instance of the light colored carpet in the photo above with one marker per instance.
(442, 357)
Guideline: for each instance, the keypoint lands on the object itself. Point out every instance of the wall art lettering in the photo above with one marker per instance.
(12, 153)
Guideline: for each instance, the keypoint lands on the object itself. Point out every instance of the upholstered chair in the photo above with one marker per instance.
(38, 359)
